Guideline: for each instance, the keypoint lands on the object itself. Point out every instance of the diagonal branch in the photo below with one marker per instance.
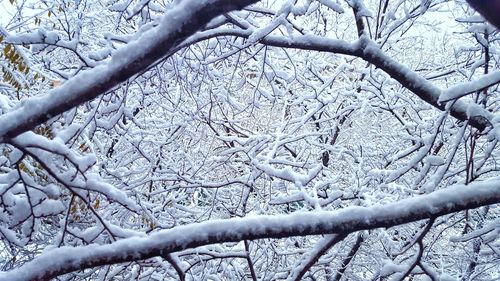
(368, 50)
(342, 222)
(178, 24)
(480, 84)
(325, 244)
(348, 258)
(175, 32)
(420, 86)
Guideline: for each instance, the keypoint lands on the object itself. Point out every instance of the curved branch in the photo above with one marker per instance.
(138, 55)
(68, 259)
(420, 86)
(369, 51)
(178, 24)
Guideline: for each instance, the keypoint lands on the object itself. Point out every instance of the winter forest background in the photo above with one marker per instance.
(248, 140)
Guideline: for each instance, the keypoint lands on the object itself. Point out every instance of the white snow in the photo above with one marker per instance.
(463, 89)
(233, 230)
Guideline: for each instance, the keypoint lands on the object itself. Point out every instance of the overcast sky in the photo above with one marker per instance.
(6, 11)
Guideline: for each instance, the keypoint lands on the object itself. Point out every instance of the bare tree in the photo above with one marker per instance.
(207, 140)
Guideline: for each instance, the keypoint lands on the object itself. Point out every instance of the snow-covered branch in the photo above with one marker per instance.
(369, 51)
(178, 23)
(463, 89)
(67, 259)
(182, 139)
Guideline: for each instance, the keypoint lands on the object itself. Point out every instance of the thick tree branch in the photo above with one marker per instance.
(489, 9)
(67, 259)
(178, 24)
(368, 50)
(420, 86)
(170, 35)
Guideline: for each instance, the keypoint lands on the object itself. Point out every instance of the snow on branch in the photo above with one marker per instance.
(67, 259)
(424, 89)
(463, 89)
(309, 259)
(368, 50)
(178, 23)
